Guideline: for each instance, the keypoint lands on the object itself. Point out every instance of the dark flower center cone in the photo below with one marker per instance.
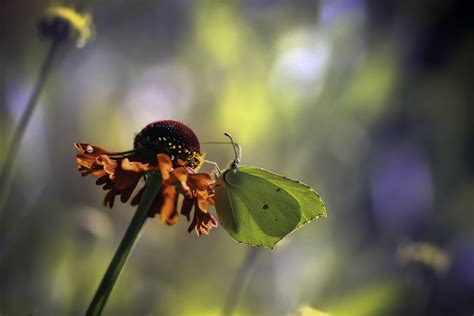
(172, 138)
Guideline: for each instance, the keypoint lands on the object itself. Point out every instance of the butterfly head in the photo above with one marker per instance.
(235, 163)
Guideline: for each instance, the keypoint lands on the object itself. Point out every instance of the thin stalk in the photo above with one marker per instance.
(239, 281)
(7, 172)
(125, 247)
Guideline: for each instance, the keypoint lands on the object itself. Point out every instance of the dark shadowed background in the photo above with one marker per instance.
(370, 102)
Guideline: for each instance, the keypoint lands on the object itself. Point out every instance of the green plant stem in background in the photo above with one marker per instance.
(7, 170)
(239, 281)
(125, 247)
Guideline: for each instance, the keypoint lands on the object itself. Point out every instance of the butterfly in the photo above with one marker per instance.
(259, 207)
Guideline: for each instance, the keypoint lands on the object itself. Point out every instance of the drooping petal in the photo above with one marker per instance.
(109, 165)
(134, 166)
(109, 185)
(186, 207)
(102, 180)
(97, 172)
(126, 193)
(165, 203)
(202, 221)
(125, 179)
(200, 181)
(169, 196)
(180, 175)
(173, 217)
(201, 197)
(91, 149)
(136, 199)
(117, 174)
(86, 161)
(165, 165)
(193, 224)
(109, 198)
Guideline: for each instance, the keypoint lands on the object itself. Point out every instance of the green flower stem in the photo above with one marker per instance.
(7, 170)
(125, 247)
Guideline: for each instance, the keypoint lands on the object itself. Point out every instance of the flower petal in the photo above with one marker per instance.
(85, 148)
(201, 198)
(165, 165)
(180, 175)
(135, 166)
(138, 197)
(186, 207)
(200, 181)
(109, 165)
(202, 222)
(127, 192)
(85, 160)
(102, 180)
(110, 197)
(172, 218)
(169, 197)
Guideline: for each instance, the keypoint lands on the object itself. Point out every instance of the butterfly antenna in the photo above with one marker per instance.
(237, 151)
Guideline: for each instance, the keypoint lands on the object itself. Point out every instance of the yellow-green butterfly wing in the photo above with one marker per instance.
(260, 208)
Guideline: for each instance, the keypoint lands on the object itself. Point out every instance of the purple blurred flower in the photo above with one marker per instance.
(401, 189)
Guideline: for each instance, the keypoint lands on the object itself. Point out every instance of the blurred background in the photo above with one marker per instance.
(367, 101)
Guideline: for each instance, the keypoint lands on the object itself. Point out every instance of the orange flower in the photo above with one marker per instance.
(197, 191)
(115, 171)
(167, 147)
(200, 195)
